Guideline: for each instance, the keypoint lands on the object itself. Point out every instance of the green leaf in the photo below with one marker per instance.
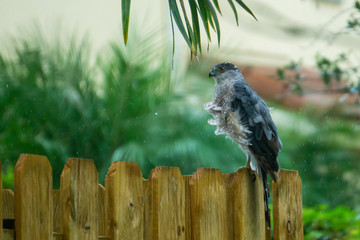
(243, 5)
(232, 5)
(173, 37)
(176, 15)
(195, 22)
(280, 74)
(357, 5)
(125, 10)
(204, 17)
(214, 16)
(211, 20)
(216, 3)
(189, 29)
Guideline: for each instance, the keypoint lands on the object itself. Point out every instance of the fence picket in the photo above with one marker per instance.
(8, 204)
(165, 194)
(79, 200)
(102, 209)
(287, 204)
(187, 179)
(57, 227)
(248, 200)
(208, 205)
(33, 198)
(229, 178)
(125, 201)
(8, 214)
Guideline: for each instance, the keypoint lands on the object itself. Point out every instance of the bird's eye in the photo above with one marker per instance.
(222, 69)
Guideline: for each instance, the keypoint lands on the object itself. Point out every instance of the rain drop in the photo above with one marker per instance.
(156, 113)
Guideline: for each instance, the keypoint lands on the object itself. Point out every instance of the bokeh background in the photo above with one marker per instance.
(70, 88)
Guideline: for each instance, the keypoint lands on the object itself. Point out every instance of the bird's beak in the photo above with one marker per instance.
(211, 74)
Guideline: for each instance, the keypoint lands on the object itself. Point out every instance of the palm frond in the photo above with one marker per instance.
(190, 30)
(125, 9)
(208, 11)
(232, 5)
(246, 8)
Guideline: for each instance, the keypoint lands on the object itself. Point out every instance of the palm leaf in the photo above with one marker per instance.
(243, 5)
(195, 22)
(214, 17)
(204, 17)
(216, 3)
(232, 5)
(176, 16)
(189, 29)
(173, 36)
(125, 8)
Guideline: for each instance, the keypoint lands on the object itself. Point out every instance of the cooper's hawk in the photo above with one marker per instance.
(243, 116)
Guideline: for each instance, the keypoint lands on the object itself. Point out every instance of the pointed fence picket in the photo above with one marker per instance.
(33, 198)
(208, 205)
(205, 205)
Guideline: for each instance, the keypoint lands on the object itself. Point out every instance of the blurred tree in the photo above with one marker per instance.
(55, 103)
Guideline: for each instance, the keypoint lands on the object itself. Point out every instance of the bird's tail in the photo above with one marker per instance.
(266, 198)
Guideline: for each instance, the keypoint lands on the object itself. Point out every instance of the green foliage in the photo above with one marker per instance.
(55, 103)
(191, 29)
(338, 69)
(290, 74)
(344, 68)
(325, 151)
(321, 223)
(357, 5)
(353, 22)
(332, 71)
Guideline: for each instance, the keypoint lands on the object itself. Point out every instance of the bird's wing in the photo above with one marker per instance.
(253, 112)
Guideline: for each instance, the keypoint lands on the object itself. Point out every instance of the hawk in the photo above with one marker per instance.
(241, 114)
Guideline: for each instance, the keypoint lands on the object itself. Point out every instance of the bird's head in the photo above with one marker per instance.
(223, 71)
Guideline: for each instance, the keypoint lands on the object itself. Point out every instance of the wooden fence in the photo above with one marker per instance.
(206, 205)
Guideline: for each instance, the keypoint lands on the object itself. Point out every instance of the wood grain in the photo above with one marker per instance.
(102, 209)
(8, 234)
(8, 214)
(165, 204)
(187, 179)
(33, 198)
(287, 202)
(125, 201)
(57, 219)
(8, 204)
(248, 205)
(79, 200)
(229, 179)
(208, 205)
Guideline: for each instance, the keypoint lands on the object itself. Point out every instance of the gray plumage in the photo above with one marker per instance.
(241, 114)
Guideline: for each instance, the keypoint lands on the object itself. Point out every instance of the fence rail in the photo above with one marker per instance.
(206, 205)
